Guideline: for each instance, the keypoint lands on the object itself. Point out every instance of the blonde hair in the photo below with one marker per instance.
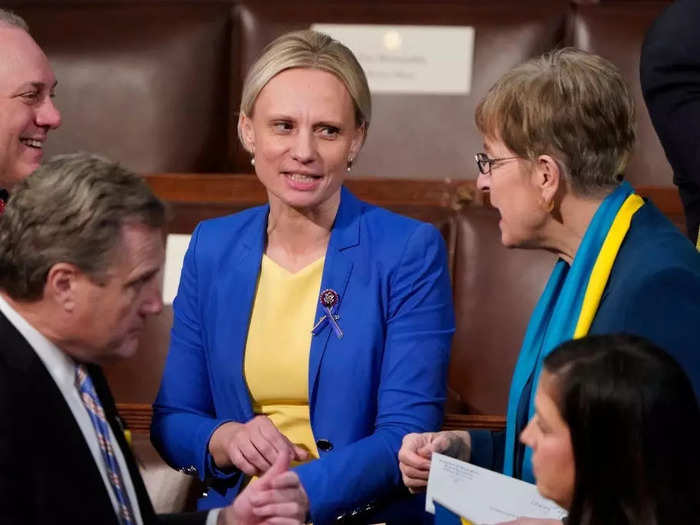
(570, 104)
(312, 50)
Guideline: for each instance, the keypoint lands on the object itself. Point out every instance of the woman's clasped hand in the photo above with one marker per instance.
(252, 447)
(417, 449)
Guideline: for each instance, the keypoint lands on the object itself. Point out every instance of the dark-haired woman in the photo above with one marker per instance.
(615, 434)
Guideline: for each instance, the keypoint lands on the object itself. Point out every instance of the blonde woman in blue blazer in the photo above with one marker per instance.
(381, 318)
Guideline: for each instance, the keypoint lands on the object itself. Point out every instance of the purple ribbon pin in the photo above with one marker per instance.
(329, 300)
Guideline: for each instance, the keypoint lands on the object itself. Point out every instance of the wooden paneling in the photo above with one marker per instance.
(245, 189)
(137, 416)
(138, 419)
(211, 195)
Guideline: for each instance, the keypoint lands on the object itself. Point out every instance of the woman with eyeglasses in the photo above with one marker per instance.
(558, 131)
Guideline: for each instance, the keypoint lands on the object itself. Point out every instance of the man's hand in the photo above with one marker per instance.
(417, 449)
(251, 447)
(277, 498)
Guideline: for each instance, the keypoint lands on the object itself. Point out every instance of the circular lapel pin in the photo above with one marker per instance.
(329, 298)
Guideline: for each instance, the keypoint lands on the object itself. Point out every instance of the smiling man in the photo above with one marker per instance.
(27, 112)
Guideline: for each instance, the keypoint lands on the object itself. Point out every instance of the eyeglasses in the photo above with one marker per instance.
(484, 163)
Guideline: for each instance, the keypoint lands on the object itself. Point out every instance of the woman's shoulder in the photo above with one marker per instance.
(655, 255)
(393, 238)
(394, 233)
(384, 222)
(653, 243)
(224, 237)
(233, 224)
(376, 215)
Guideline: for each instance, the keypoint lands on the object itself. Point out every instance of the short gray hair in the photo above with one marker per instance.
(312, 50)
(11, 19)
(71, 209)
(569, 104)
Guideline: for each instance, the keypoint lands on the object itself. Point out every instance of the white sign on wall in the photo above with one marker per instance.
(410, 59)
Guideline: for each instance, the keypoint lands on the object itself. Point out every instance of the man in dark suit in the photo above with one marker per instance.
(27, 112)
(670, 78)
(81, 249)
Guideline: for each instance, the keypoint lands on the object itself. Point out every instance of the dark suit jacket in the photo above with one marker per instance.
(654, 290)
(47, 473)
(670, 78)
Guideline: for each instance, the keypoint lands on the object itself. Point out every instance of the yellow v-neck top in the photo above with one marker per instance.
(276, 363)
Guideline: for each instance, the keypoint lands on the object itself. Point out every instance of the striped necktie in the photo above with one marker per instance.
(94, 408)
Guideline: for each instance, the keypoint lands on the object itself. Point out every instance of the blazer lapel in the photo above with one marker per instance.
(336, 276)
(240, 285)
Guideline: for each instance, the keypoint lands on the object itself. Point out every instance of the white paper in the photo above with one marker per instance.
(482, 496)
(175, 248)
(410, 59)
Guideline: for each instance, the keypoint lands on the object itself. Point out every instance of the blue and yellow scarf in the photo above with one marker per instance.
(566, 310)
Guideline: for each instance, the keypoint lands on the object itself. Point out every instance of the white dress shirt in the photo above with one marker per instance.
(62, 368)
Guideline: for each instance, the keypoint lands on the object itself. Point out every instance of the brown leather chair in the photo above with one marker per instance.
(616, 30)
(146, 85)
(495, 291)
(414, 136)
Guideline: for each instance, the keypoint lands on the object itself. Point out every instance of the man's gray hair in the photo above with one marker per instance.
(11, 19)
(70, 210)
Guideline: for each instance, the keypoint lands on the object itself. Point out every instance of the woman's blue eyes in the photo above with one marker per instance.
(324, 131)
(329, 131)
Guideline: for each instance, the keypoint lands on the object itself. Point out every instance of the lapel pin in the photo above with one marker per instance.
(329, 300)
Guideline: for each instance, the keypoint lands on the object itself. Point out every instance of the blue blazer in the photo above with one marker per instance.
(385, 378)
(653, 291)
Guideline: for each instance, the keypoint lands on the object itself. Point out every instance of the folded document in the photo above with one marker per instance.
(482, 496)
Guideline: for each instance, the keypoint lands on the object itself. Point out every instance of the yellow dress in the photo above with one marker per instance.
(276, 363)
